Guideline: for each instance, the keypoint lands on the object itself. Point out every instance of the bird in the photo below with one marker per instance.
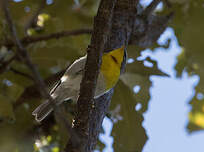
(69, 85)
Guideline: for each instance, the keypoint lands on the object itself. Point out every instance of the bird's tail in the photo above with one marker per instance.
(42, 110)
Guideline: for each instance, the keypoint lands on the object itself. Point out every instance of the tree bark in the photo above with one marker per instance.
(90, 113)
(116, 24)
(87, 121)
(130, 23)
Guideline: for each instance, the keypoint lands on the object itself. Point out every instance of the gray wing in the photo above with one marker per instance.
(69, 88)
(76, 68)
(69, 84)
(55, 87)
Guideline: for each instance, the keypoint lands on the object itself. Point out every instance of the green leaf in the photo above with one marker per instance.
(6, 109)
(128, 133)
(188, 27)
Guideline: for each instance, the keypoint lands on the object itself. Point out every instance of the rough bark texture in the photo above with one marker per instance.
(141, 28)
(87, 120)
(33, 39)
(90, 113)
(130, 24)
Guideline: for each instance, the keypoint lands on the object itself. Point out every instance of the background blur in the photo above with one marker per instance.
(150, 111)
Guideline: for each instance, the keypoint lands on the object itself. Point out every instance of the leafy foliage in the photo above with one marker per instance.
(189, 13)
(18, 129)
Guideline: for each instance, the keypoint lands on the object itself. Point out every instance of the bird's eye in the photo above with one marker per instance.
(114, 59)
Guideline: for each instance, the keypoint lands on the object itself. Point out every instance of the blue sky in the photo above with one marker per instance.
(166, 119)
(167, 116)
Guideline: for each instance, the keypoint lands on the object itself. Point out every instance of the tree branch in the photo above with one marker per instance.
(22, 52)
(33, 91)
(86, 104)
(21, 73)
(150, 8)
(4, 65)
(90, 113)
(33, 39)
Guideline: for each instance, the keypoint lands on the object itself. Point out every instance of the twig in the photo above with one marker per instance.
(23, 52)
(32, 91)
(26, 58)
(4, 65)
(21, 73)
(57, 35)
(151, 7)
(33, 39)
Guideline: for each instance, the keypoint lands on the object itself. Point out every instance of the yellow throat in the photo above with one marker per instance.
(110, 67)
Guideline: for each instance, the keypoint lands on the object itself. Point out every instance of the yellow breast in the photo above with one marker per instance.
(110, 68)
